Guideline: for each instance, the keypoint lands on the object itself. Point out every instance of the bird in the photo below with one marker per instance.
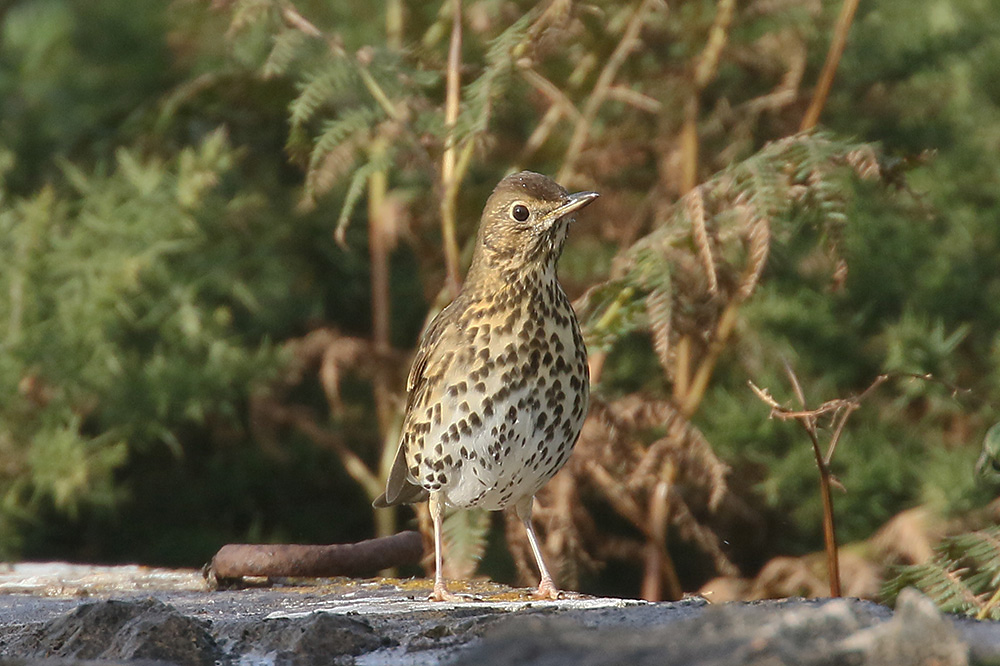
(499, 385)
(988, 465)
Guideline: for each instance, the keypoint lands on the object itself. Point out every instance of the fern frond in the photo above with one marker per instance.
(488, 86)
(464, 534)
(334, 132)
(335, 150)
(324, 86)
(700, 535)
(961, 578)
(287, 46)
(610, 311)
(695, 209)
(658, 308)
(757, 232)
(717, 240)
(356, 188)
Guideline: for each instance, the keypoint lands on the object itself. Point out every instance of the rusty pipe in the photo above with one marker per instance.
(364, 558)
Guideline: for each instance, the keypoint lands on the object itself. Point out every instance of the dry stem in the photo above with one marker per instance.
(450, 177)
(840, 409)
(830, 65)
(704, 71)
(659, 565)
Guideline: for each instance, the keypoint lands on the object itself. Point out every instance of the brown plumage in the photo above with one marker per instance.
(499, 386)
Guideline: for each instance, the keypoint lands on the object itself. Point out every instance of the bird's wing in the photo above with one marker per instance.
(399, 489)
(426, 350)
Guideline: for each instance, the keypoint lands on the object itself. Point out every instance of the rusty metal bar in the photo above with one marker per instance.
(364, 558)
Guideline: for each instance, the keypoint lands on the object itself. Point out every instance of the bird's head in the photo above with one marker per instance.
(525, 221)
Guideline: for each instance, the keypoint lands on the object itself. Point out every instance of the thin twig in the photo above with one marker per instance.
(699, 382)
(378, 252)
(840, 409)
(305, 422)
(621, 502)
(829, 531)
(657, 554)
(541, 132)
(635, 99)
(394, 24)
(689, 144)
(628, 43)
(556, 96)
(794, 380)
(296, 20)
(807, 420)
(378, 249)
(718, 35)
(659, 511)
(838, 429)
(705, 69)
(560, 106)
(833, 56)
(778, 411)
(682, 370)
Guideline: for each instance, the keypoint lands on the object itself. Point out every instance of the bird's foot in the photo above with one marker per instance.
(547, 590)
(441, 593)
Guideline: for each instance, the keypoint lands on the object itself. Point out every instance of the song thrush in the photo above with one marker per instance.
(499, 386)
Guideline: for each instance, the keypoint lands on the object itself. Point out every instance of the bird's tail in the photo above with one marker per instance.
(399, 489)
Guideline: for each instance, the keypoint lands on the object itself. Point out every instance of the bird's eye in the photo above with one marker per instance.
(995, 464)
(520, 212)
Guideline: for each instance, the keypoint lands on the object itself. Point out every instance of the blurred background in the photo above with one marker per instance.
(223, 225)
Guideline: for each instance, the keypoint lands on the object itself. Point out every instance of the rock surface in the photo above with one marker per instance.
(60, 614)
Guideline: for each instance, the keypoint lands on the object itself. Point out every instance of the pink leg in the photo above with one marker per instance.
(440, 592)
(546, 588)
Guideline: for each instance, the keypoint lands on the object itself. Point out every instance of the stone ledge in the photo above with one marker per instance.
(69, 614)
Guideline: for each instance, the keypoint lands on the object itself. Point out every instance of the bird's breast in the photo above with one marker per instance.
(510, 402)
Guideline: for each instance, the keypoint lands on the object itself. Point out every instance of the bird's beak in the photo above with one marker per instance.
(573, 203)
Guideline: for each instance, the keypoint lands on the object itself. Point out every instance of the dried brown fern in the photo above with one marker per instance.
(684, 280)
(651, 467)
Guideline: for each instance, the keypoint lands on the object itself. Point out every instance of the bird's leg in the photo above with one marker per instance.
(546, 588)
(440, 592)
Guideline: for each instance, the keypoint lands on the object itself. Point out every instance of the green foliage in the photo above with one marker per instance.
(68, 90)
(155, 265)
(119, 328)
(964, 578)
